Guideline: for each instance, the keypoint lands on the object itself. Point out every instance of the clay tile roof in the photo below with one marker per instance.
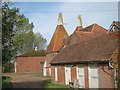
(97, 49)
(78, 28)
(57, 39)
(86, 33)
(95, 28)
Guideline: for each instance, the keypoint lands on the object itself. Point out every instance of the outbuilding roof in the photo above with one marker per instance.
(97, 49)
(83, 34)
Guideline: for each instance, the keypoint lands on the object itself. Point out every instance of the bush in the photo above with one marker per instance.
(6, 82)
(9, 68)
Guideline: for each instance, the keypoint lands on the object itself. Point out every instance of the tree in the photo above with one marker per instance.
(14, 27)
(39, 41)
(9, 21)
(17, 34)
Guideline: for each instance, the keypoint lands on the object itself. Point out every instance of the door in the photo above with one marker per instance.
(67, 75)
(80, 76)
(93, 76)
(56, 77)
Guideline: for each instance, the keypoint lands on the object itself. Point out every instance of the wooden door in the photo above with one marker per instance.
(93, 76)
(80, 75)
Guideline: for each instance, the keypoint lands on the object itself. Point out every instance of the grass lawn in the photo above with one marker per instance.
(6, 82)
(48, 84)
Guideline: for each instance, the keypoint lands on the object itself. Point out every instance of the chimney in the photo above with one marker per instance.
(79, 20)
(60, 19)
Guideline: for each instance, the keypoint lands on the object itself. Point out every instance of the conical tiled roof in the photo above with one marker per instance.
(58, 37)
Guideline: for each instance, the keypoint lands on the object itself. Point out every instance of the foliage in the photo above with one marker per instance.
(39, 41)
(17, 34)
(34, 53)
(9, 20)
(9, 67)
(6, 82)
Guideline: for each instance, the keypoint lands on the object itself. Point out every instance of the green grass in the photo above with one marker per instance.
(6, 82)
(48, 84)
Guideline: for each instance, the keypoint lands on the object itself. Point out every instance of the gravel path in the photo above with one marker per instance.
(27, 81)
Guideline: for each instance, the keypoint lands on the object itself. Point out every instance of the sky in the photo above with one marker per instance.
(44, 15)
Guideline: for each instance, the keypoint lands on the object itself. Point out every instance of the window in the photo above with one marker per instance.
(65, 36)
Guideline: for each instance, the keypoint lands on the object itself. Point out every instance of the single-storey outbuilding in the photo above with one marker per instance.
(30, 62)
(89, 63)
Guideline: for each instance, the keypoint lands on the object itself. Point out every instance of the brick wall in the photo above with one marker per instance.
(73, 74)
(29, 64)
(106, 79)
(61, 74)
(86, 76)
(53, 73)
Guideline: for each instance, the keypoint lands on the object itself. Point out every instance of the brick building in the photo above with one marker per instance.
(30, 62)
(89, 62)
(55, 45)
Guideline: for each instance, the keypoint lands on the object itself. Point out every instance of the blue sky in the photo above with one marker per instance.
(44, 15)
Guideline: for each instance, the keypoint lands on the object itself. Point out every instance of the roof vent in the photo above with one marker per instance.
(79, 20)
(60, 19)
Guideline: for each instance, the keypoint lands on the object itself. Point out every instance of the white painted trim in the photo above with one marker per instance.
(56, 75)
(44, 69)
(15, 64)
(50, 71)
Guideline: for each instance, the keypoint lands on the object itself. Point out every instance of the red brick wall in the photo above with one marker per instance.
(106, 79)
(53, 73)
(32, 63)
(86, 76)
(73, 74)
(61, 74)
